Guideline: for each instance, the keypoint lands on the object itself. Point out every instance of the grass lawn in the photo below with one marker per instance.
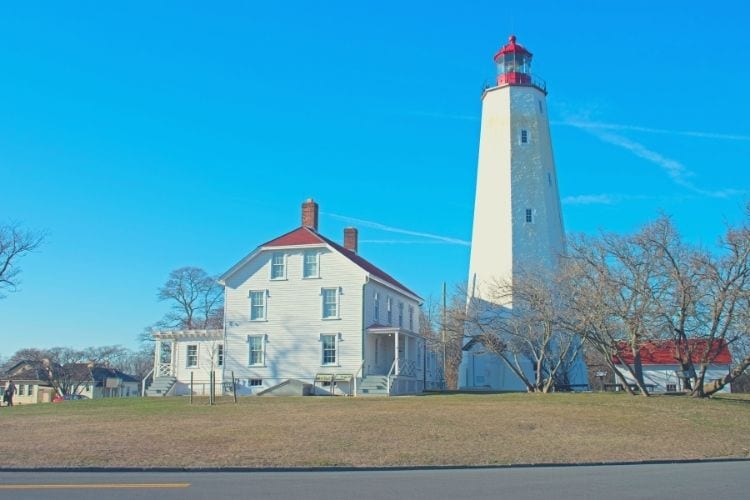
(427, 430)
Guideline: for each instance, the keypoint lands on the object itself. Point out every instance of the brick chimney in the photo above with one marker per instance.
(350, 239)
(310, 214)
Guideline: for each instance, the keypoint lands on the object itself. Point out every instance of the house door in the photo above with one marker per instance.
(383, 354)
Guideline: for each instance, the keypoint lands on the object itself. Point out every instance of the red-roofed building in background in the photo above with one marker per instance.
(661, 366)
(304, 314)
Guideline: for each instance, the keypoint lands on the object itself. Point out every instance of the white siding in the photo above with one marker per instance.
(207, 349)
(661, 375)
(294, 323)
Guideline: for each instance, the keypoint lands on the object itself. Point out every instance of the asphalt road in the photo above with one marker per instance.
(710, 481)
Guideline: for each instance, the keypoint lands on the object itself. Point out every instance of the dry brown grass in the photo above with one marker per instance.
(428, 430)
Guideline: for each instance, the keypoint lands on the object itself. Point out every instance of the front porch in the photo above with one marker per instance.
(394, 358)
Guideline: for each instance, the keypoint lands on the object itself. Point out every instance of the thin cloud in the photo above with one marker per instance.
(398, 230)
(677, 171)
(406, 242)
(636, 128)
(590, 199)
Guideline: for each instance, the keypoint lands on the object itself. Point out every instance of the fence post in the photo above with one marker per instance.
(234, 388)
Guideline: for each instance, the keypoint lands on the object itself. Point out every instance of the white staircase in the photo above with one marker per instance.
(161, 386)
(373, 385)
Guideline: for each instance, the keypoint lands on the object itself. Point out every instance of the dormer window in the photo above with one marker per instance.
(278, 266)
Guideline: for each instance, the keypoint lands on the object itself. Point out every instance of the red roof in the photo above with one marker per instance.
(307, 236)
(665, 352)
(300, 236)
(512, 48)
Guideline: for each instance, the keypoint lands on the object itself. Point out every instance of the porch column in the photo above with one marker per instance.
(157, 357)
(395, 351)
(173, 358)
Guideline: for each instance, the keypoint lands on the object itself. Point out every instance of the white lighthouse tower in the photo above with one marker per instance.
(517, 217)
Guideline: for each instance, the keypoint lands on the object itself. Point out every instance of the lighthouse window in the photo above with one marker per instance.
(529, 215)
(549, 178)
(524, 136)
(541, 110)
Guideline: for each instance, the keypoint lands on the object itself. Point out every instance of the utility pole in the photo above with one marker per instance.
(443, 334)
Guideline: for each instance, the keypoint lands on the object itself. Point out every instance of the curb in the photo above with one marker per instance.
(366, 469)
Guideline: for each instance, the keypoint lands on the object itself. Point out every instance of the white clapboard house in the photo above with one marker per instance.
(662, 371)
(304, 315)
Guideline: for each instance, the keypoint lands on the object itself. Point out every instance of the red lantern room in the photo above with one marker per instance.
(514, 66)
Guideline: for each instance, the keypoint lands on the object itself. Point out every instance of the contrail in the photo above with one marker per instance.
(391, 229)
(636, 128)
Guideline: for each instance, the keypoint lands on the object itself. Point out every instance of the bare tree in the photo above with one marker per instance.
(616, 296)
(521, 321)
(651, 286)
(724, 309)
(442, 327)
(195, 298)
(14, 244)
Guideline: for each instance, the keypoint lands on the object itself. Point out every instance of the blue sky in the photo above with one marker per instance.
(147, 136)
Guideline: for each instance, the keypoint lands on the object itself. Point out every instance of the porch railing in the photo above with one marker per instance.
(390, 374)
(165, 370)
(361, 366)
(407, 367)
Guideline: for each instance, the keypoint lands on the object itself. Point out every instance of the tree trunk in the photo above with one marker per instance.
(716, 385)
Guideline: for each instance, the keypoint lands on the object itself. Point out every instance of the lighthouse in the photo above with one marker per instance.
(517, 218)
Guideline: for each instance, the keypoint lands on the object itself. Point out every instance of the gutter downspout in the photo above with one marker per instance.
(367, 280)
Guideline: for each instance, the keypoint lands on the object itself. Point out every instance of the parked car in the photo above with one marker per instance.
(68, 397)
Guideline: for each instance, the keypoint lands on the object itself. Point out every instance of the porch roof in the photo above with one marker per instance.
(378, 328)
(188, 334)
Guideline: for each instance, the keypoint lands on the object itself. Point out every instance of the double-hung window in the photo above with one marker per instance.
(278, 266)
(389, 310)
(524, 136)
(411, 318)
(310, 266)
(330, 303)
(400, 314)
(529, 216)
(192, 356)
(328, 349)
(376, 308)
(257, 305)
(256, 345)
(220, 355)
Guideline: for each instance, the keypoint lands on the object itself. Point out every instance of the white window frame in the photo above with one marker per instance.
(337, 295)
(264, 305)
(400, 314)
(316, 274)
(220, 355)
(389, 310)
(255, 382)
(376, 308)
(411, 318)
(274, 266)
(262, 350)
(524, 137)
(188, 364)
(335, 349)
